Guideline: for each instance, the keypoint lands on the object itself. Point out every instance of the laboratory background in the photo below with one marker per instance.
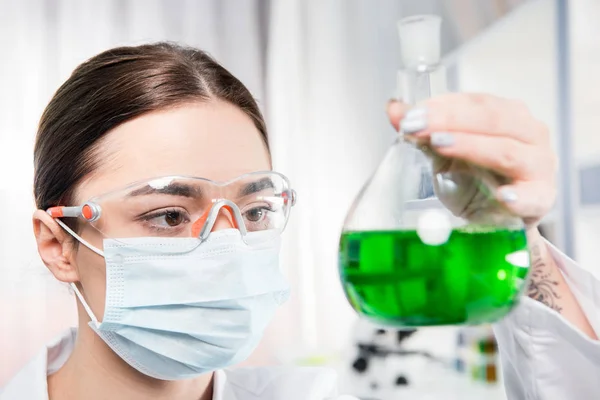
(322, 72)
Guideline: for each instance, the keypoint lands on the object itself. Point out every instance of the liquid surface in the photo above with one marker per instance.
(392, 277)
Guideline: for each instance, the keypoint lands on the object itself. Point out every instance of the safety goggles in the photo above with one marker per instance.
(188, 207)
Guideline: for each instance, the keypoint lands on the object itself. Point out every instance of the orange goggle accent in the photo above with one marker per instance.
(199, 224)
(89, 211)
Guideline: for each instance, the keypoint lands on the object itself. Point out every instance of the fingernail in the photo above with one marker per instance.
(442, 139)
(414, 121)
(508, 196)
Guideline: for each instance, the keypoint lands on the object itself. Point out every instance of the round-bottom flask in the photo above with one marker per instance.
(426, 242)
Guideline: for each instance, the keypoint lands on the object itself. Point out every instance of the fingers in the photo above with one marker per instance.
(476, 113)
(504, 155)
(496, 134)
(528, 199)
(396, 111)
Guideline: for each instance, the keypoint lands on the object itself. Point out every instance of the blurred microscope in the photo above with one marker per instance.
(387, 363)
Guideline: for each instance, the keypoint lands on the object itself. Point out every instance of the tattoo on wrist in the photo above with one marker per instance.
(541, 285)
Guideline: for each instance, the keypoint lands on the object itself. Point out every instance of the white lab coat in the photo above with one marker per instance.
(543, 357)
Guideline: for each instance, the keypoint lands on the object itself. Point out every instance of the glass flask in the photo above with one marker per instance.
(426, 242)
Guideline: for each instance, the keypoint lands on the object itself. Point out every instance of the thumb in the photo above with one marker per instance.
(395, 111)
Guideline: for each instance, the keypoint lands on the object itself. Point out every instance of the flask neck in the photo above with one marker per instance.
(421, 83)
(423, 75)
(404, 143)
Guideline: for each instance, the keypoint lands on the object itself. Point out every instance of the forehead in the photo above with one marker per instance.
(213, 140)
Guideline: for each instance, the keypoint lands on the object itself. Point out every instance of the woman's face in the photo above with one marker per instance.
(213, 140)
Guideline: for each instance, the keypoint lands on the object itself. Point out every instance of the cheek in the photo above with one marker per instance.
(92, 275)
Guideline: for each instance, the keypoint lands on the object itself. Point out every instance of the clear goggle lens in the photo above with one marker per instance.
(184, 207)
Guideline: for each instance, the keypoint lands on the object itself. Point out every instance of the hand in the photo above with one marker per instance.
(501, 136)
(496, 134)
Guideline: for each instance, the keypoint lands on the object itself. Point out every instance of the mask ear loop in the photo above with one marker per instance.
(73, 285)
(208, 221)
(89, 211)
(87, 308)
(79, 238)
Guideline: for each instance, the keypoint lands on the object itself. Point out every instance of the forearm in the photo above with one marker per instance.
(548, 286)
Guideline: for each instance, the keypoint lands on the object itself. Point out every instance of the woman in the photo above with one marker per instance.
(177, 276)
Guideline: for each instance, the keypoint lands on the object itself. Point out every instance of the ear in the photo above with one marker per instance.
(55, 246)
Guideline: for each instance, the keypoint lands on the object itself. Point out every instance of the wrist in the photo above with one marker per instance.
(545, 280)
(539, 251)
(535, 240)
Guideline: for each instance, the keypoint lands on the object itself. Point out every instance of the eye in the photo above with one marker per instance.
(259, 215)
(173, 218)
(166, 219)
(256, 214)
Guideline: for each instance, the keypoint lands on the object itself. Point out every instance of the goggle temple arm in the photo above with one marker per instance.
(289, 197)
(89, 211)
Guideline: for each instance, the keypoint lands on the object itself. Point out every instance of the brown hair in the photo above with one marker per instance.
(112, 88)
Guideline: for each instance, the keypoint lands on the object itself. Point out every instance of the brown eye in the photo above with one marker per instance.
(173, 218)
(166, 221)
(255, 215)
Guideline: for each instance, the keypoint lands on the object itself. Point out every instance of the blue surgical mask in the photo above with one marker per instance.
(174, 313)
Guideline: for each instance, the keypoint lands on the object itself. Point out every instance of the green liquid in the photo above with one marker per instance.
(392, 277)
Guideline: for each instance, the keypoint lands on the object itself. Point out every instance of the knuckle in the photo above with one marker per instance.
(487, 106)
(493, 120)
(439, 115)
(510, 158)
(479, 99)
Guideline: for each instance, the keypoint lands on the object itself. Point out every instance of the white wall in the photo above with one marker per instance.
(517, 59)
(585, 80)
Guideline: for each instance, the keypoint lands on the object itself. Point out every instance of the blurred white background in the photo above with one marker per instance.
(322, 72)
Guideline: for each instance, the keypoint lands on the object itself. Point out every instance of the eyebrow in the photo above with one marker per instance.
(255, 187)
(174, 189)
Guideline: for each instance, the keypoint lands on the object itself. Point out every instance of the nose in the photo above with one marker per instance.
(225, 219)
